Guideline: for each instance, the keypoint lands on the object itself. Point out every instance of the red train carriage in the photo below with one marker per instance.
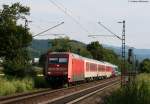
(69, 67)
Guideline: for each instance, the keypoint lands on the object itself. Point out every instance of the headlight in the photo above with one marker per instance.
(49, 73)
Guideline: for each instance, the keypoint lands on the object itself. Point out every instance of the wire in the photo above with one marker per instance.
(101, 35)
(138, 1)
(109, 30)
(48, 29)
(69, 15)
(54, 34)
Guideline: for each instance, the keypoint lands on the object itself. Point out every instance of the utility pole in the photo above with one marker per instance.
(123, 66)
(26, 25)
(123, 69)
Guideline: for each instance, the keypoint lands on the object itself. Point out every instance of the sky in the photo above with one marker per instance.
(81, 19)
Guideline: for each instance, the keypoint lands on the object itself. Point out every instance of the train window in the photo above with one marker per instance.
(53, 60)
(63, 60)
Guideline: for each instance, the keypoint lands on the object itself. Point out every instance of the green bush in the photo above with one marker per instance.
(6, 88)
(40, 82)
(134, 93)
(20, 87)
(29, 83)
(11, 86)
(14, 68)
(23, 85)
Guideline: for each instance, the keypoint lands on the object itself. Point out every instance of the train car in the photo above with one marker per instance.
(94, 69)
(68, 67)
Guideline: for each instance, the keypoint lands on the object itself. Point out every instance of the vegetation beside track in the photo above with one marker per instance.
(137, 92)
(10, 86)
(1, 70)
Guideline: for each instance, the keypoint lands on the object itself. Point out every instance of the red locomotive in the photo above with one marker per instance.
(69, 68)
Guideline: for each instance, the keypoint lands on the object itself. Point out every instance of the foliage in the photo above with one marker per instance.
(40, 82)
(131, 94)
(145, 66)
(61, 45)
(12, 86)
(13, 36)
(67, 45)
(137, 92)
(1, 70)
(42, 60)
(111, 56)
(14, 68)
(96, 50)
(145, 77)
(14, 39)
(103, 54)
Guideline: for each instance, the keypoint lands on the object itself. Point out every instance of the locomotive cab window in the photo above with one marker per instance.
(58, 60)
(63, 60)
(53, 60)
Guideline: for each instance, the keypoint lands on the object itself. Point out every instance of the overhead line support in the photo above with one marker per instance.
(123, 67)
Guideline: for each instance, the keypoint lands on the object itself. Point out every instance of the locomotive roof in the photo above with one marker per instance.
(86, 59)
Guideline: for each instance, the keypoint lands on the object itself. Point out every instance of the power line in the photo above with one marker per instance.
(101, 35)
(109, 30)
(69, 15)
(48, 29)
(54, 34)
(138, 1)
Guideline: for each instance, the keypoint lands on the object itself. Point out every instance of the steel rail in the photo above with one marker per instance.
(92, 93)
(72, 97)
(47, 94)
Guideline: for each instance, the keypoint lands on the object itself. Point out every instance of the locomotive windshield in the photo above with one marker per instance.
(63, 60)
(58, 60)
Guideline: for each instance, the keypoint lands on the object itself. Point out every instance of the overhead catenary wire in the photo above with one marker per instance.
(48, 29)
(138, 1)
(61, 8)
(101, 35)
(54, 34)
(109, 30)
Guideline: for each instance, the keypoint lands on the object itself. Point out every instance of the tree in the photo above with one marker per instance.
(67, 45)
(42, 60)
(96, 50)
(61, 45)
(14, 39)
(145, 66)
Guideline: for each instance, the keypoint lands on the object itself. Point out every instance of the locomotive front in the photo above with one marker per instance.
(57, 67)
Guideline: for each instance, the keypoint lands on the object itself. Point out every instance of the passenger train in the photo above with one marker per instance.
(67, 67)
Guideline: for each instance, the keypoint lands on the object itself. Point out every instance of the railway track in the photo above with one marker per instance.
(59, 96)
(82, 94)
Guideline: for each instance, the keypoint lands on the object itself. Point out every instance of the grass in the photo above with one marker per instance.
(137, 92)
(144, 77)
(12, 86)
